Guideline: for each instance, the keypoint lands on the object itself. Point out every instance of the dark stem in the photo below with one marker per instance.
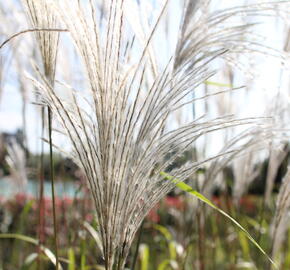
(201, 237)
(261, 219)
(52, 186)
(41, 219)
(137, 247)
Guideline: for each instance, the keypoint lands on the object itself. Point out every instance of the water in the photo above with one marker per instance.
(62, 189)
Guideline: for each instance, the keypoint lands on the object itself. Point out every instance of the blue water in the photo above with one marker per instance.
(62, 189)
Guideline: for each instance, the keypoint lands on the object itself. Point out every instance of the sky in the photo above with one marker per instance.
(268, 79)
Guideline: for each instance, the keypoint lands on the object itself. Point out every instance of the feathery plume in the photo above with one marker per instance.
(40, 17)
(17, 164)
(241, 147)
(277, 150)
(277, 155)
(119, 130)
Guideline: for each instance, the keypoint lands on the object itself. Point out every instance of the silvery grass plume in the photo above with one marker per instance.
(1, 77)
(239, 147)
(1, 58)
(40, 17)
(248, 142)
(245, 170)
(278, 151)
(281, 219)
(16, 161)
(119, 129)
(245, 166)
(6, 27)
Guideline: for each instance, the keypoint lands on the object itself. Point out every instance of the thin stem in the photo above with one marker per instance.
(201, 237)
(52, 186)
(41, 219)
(29, 31)
(261, 218)
(137, 247)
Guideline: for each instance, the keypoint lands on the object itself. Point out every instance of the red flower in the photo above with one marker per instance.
(153, 215)
(175, 202)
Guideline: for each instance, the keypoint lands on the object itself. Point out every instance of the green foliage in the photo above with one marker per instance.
(33, 241)
(71, 258)
(199, 196)
(164, 246)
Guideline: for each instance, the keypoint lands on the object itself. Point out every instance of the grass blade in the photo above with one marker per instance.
(218, 84)
(33, 241)
(196, 194)
(144, 256)
(71, 257)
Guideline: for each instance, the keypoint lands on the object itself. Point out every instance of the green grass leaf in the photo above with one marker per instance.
(218, 84)
(196, 194)
(144, 257)
(164, 231)
(71, 258)
(30, 259)
(33, 241)
(164, 265)
(168, 236)
(244, 244)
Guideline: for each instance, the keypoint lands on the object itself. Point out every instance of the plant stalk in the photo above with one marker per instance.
(41, 217)
(201, 237)
(52, 186)
(137, 247)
